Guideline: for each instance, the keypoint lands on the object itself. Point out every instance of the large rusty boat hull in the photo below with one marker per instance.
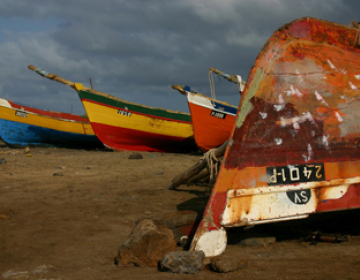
(295, 146)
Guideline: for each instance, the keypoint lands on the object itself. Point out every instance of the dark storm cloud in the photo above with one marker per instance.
(136, 49)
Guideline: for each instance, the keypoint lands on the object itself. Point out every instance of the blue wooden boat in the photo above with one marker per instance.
(23, 126)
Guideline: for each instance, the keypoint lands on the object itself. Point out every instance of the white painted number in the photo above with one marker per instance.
(307, 172)
(297, 174)
(318, 170)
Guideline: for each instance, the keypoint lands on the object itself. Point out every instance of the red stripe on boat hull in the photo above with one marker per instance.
(123, 139)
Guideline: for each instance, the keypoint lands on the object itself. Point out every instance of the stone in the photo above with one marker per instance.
(182, 262)
(135, 155)
(148, 242)
(2, 160)
(258, 241)
(227, 264)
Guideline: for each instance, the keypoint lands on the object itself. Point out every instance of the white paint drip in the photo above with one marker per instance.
(279, 107)
(325, 141)
(331, 65)
(300, 76)
(281, 99)
(320, 98)
(295, 91)
(287, 92)
(310, 151)
(296, 125)
(352, 86)
(296, 120)
(340, 119)
(309, 117)
(278, 141)
(263, 115)
(357, 77)
(306, 158)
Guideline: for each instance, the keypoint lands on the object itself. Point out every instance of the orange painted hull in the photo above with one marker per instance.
(212, 126)
(295, 146)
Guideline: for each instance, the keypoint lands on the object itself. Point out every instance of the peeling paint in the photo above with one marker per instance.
(279, 107)
(212, 242)
(263, 115)
(304, 157)
(353, 86)
(331, 65)
(295, 91)
(340, 119)
(320, 98)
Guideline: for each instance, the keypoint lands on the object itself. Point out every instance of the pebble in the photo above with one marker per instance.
(2, 160)
(135, 155)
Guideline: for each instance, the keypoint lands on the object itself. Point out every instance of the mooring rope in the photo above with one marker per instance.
(213, 163)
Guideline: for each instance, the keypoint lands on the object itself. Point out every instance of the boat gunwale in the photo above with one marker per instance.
(213, 108)
(174, 116)
(25, 110)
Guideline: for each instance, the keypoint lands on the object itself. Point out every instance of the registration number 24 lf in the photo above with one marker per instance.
(292, 174)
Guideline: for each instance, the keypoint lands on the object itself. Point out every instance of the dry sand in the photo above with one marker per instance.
(64, 213)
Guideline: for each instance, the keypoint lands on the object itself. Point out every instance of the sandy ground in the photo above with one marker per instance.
(64, 213)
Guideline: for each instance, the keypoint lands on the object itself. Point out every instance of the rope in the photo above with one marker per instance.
(212, 84)
(213, 163)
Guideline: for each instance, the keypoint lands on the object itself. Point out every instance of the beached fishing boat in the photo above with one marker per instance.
(23, 125)
(295, 146)
(212, 119)
(123, 125)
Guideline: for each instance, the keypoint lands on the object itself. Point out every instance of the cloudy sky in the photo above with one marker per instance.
(137, 49)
